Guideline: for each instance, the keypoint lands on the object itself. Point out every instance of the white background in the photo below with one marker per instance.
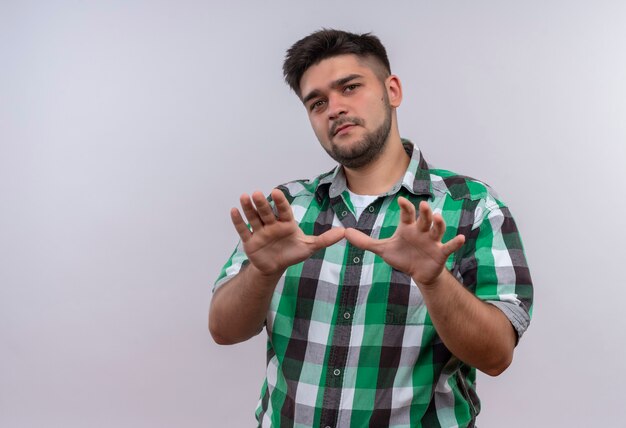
(129, 128)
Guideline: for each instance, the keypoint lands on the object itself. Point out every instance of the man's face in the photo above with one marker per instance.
(348, 107)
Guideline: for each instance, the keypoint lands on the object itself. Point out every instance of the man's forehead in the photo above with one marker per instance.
(322, 74)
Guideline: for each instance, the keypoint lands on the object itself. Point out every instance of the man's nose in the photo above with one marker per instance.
(336, 107)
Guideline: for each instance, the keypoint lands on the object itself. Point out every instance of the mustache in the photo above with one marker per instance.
(342, 121)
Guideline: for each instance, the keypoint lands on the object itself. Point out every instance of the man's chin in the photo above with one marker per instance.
(347, 142)
(350, 159)
(348, 150)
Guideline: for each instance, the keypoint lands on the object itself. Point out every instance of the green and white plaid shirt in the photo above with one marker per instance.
(350, 342)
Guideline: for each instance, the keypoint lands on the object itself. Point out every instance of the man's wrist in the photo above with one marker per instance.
(435, 283)
(262, 280)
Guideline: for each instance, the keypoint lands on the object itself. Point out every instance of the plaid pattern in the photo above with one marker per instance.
(350, 342)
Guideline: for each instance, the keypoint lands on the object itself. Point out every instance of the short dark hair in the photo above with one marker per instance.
(327, 43)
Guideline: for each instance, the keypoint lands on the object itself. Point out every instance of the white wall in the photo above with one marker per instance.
(128, 130)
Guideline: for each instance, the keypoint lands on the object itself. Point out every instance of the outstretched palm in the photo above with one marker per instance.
(415, 248)
(276, 242)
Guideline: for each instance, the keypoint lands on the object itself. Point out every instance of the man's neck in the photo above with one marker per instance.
(380, 175)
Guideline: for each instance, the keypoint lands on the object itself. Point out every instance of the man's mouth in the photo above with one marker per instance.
(343, 124)
(342, 127)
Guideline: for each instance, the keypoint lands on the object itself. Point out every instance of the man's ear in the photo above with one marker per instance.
(394, 90)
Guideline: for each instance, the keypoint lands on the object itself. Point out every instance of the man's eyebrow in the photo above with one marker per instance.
(314, 93)
(336, 84)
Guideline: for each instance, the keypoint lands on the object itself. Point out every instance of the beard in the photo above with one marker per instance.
(368, 148)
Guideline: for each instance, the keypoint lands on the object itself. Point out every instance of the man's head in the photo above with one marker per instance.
(345, 84)
(325, 44)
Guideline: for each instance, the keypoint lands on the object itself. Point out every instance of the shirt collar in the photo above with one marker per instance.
(416, 179)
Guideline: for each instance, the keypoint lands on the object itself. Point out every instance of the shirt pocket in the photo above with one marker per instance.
(405, 303)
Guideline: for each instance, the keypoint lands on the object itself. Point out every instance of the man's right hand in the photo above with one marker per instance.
(275, 241)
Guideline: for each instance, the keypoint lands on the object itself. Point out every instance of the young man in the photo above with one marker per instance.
(384, 284)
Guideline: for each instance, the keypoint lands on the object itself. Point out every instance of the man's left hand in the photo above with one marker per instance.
(415, 248)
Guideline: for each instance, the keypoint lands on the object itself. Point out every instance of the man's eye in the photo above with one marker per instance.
(350, 88)
(317, 104)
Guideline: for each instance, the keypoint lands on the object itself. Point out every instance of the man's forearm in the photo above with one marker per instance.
(476, 332)
(239, 307)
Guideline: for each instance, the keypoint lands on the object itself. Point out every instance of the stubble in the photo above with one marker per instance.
(368, 149)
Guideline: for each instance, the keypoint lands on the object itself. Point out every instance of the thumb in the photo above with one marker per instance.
(454, 244)
(362, 241)
(329, 237)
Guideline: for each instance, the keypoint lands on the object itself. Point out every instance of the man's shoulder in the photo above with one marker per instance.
(458, 186)
(305, 188)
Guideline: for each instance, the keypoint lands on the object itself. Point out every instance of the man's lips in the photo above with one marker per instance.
(343, 127)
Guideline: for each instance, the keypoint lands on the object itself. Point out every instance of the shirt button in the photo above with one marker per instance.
(336, 372)
(371, 209)
(346, 315)
(356, 260)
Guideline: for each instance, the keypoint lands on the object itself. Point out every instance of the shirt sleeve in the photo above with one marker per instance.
(233, 266)
(494, 265)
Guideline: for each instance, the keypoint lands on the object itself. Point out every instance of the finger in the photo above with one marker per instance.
(425, 218)
(263, 208)
(282, 206)
(407, 211)
(453, 245)
(362, 241)
(240, 226)
(439, 227)
(329, 237)
(250, 212)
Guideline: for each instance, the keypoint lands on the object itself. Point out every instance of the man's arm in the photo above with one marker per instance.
(474, 331)
(239, 307)
(478, 333)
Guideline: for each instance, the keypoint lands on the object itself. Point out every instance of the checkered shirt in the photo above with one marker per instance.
(350, 341)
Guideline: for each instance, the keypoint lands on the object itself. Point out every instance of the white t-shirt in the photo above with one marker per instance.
(360, 202)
